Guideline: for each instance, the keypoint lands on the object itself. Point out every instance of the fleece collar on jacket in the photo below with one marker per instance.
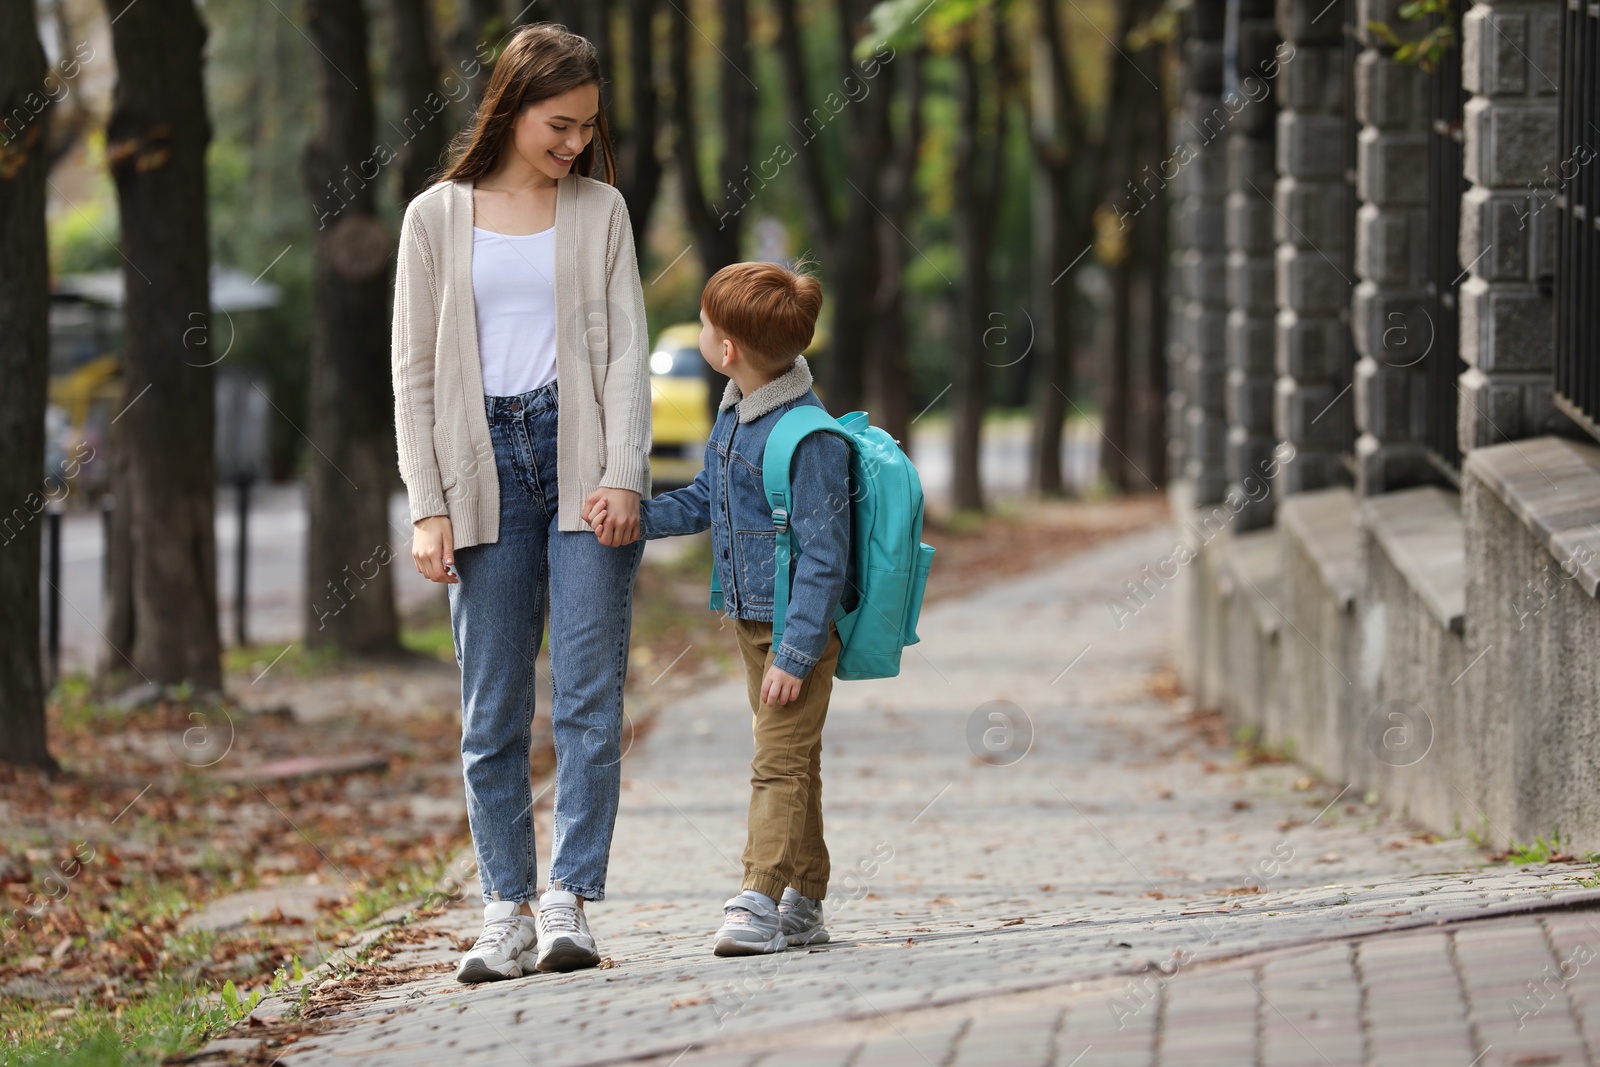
(790, 385)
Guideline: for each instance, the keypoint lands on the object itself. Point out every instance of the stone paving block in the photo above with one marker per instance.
(1575, 943)
(715, 1059)
(1251, 343)
(1506, 144)
(1507, 235)
(917, 1044)
(1389, 95)
(1310, 214)
(1312, 80)
(1310, 280)
(1392, 167)
(1311, 146)
(1506, 326)
(927, 946)
(1024, 1039)
(811, 1056)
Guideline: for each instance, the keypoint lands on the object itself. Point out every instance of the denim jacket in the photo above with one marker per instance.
(727, 496)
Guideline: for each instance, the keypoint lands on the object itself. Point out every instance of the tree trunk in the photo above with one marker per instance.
(976, 202)
(889, 367)
(718, 228)
(851, 245)
(156, 145)
(350, 594)
(1055, 343)
(117, 620)
(480, 33)
(638, 166)
(1147, 372)
(1113, 375)
(25, 368)
(416, 61)
(1134, 143)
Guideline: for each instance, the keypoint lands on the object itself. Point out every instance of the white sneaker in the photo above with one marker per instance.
(750, 927)
(506, 936)
(565, 943)
(800, 918)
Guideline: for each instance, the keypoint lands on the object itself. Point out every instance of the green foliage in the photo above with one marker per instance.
(84, 237)
(1538, 852)
(1427, 50)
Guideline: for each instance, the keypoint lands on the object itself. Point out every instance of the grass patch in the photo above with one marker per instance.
(296, 658)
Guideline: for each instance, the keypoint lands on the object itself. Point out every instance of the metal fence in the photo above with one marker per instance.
(1442, 366)
(1352, 200)
(1577, 371)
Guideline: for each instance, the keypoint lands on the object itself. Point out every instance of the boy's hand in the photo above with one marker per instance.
(779, 687)
(614, 514)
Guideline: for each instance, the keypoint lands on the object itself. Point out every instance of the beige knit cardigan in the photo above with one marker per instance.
(602, 370)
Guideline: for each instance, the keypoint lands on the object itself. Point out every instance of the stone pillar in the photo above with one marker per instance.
(1311, 224)
(1389, 320)
(1510, 61)
(1250, 86)
(1201, 255)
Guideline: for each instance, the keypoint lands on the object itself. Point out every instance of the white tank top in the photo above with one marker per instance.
(513, 287)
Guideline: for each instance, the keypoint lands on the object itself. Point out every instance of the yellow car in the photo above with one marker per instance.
(679, 406)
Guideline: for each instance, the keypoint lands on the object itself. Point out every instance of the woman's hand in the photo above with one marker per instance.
(433, 548)
(614, 514)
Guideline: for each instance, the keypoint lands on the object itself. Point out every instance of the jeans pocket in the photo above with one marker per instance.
(754, 551)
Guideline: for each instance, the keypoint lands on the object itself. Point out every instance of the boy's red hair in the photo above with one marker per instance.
(768, 309)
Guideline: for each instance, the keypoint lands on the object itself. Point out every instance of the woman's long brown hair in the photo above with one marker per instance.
(540, 61)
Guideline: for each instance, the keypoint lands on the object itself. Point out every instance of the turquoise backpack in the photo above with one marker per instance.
(891, 562)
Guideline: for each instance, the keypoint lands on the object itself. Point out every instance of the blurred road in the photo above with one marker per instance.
(276, 574)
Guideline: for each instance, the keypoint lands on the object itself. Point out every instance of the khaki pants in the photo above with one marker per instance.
(784, 845)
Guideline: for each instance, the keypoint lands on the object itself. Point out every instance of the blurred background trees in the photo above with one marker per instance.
(951, 167)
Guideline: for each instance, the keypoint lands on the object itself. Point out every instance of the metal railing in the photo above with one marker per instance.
(1577, 272)
(1442, 366)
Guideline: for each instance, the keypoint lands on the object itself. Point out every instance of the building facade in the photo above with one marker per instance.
(1385, 413)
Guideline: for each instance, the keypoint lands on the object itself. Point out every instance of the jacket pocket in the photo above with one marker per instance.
(444, 456)
(753, 551)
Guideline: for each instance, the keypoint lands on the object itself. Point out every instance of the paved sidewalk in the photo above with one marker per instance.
(1035, 862)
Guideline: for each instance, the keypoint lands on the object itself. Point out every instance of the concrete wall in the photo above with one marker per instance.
(1531, 509)
(1441, 650)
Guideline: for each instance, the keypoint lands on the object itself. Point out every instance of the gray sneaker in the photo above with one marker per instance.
(801, 919)
(506, 942)
(565, 943)
(749, 928)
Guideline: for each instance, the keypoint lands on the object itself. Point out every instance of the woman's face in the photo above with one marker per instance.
(551, 134)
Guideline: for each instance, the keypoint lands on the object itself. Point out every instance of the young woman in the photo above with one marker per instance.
(521, 385)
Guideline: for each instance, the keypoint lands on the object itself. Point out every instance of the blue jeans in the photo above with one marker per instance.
(497, 617)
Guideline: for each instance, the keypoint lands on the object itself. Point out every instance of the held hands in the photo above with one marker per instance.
(433, 549)
(614, 514)
(779, 687)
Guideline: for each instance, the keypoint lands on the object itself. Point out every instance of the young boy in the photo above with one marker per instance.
(755, 319)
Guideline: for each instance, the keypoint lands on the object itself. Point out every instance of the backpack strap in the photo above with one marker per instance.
(776, 460)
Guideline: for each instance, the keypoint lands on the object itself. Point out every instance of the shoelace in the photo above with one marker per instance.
(560, 918)
(496, 932)
(739, 916)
